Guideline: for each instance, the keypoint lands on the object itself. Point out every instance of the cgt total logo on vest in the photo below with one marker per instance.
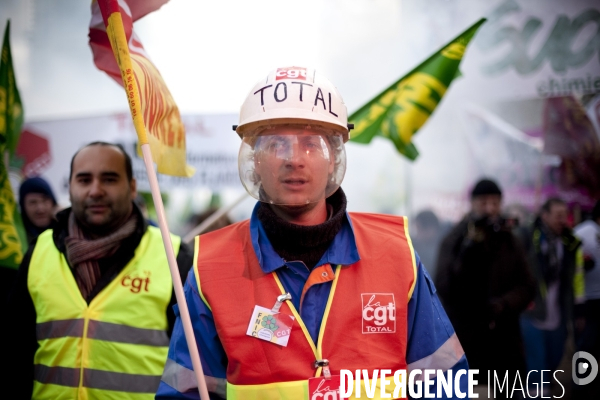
(378, 313)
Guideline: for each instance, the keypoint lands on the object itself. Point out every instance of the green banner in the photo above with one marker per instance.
(399, 111)
(12, 236)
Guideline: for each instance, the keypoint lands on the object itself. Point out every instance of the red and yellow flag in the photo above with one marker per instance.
(118, 52)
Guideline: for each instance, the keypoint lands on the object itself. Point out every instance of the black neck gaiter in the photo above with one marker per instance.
(304, 243)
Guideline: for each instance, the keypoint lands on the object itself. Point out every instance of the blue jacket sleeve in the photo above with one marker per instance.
(432, 342)
(178, 380)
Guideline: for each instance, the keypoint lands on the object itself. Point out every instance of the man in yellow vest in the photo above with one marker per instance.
(91, 310)
(284, 303)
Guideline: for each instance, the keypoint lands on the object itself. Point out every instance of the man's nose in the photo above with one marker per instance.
(96, 189)
(294, 155)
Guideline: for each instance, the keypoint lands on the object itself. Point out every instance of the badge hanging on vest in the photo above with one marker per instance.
(271, 325)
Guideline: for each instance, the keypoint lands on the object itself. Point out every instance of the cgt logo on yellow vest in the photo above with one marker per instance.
(137, 282)
(378, 313)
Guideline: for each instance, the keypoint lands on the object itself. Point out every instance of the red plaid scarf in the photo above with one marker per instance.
(83, 254)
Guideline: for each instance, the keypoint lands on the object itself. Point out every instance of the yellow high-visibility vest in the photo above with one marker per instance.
(113, 348)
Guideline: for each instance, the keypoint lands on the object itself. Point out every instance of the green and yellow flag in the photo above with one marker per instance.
(11, 120)
(399, 111)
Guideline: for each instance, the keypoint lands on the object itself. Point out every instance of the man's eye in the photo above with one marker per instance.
(276, 144)
(312, 144)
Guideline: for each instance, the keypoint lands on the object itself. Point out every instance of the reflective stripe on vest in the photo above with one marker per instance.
(383, 278)
(184, 380)
(93, 378)
(102, 331)
(118, 342)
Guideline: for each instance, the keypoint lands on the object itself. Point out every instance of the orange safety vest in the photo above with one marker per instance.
(365, 321)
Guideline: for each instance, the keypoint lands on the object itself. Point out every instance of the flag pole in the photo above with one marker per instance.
(118, 41)
(177, 286)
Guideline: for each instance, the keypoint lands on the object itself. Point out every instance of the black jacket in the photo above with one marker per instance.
(484, 283)
(19, 330)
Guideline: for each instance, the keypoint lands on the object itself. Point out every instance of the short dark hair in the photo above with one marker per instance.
(552, 201)
(128, 166)
(427, 219)
(485, 187)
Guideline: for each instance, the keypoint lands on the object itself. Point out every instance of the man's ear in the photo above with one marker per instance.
(133, 187)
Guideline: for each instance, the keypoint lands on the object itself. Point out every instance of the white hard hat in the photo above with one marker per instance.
(293, 95)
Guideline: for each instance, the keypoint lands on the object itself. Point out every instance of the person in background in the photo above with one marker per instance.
(556, 258)
(484, 283)
(143, 206)
(426, 238)
(38, 206)
(521, 219)
(589, 233)
(197, 219)
(91, 309)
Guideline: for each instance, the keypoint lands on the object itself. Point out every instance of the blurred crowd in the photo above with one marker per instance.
(521, 289)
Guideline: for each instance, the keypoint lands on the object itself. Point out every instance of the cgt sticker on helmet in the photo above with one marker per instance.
(378, 313)
(290, 73)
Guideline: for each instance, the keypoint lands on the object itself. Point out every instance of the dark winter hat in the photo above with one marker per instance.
(35, 185)
(485, 186)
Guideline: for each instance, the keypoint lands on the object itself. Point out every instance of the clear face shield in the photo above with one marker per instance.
(292, 164)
